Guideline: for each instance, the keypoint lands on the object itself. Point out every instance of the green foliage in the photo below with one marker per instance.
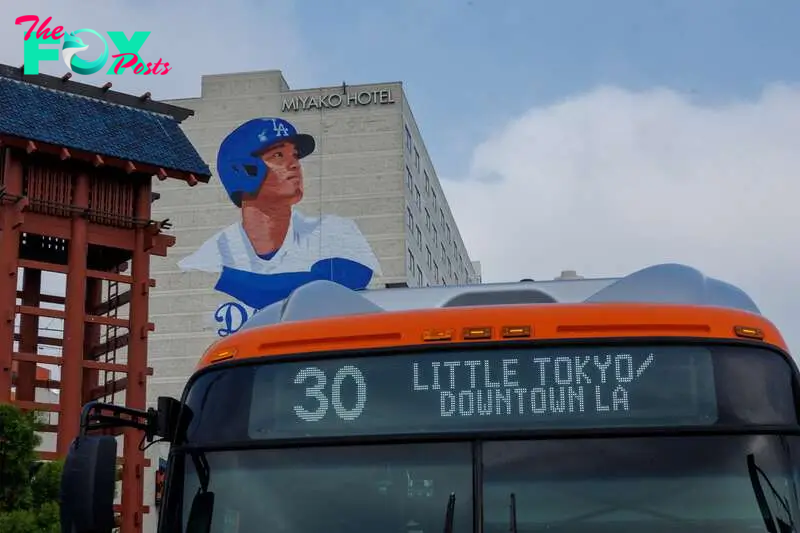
(28, 490)
(46, 484)
(21, 521)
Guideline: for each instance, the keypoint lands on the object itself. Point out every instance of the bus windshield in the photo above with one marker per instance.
(564, 438)
(669, 484)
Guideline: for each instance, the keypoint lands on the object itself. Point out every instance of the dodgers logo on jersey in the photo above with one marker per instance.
(231, 316)
(275, 247)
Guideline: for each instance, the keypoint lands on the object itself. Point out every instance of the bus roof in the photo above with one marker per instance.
(659, 284)
(660, 301)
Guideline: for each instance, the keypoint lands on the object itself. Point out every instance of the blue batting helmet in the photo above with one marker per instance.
(239, 165)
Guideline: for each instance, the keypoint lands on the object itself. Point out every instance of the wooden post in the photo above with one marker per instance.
(10, 225)
(136, 393)
(72, 355)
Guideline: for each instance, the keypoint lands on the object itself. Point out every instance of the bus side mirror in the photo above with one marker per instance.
(88, 484)
(167, 418)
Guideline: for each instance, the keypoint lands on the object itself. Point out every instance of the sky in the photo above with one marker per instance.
(597, 136)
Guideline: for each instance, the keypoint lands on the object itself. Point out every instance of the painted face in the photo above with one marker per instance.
(284, 182)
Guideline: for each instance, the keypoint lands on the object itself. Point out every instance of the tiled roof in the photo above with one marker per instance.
(39, 113)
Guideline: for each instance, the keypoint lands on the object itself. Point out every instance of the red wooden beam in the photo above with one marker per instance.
(74, 329)
(160, 244)
(48, 298)
(46, 341)
(47, 384)
(40, 311)
(17, 212)
(37, 358)
(38, 406)
(41, 224)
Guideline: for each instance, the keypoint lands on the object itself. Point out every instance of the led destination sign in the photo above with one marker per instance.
(481, 390)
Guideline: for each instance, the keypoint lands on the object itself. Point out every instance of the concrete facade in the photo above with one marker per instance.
(370, 166)
(436, 254)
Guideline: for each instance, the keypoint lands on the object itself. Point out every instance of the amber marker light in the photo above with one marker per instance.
(477, 333)
(223, 355)
(748, 332)
(435, 335)
(516, 332)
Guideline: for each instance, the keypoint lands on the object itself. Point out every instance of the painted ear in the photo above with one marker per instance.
(258, 170)
(241, 175)
(245, 170)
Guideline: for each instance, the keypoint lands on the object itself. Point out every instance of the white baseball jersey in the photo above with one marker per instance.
(308, 240)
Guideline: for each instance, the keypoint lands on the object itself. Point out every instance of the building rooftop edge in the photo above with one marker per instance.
(265, 73)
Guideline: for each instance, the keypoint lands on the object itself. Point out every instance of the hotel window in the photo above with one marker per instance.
(435, 236)
(416, 160)
(417, 198)
(420, 282)
(427, 183)
(444, 252)
(433, 199)
(408, 140)
(409, 178)
(419, 238)
(411, 262)
(436, 272)
(427, 219)
(441, 215)
(429, 256)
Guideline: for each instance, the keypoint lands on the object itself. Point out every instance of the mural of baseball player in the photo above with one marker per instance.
(274, 248)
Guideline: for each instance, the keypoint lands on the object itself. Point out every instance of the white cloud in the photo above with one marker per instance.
(202, 37)
(612, 181)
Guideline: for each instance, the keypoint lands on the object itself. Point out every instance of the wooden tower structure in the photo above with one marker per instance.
(76, 169)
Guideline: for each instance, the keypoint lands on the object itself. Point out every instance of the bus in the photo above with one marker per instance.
(662, 401)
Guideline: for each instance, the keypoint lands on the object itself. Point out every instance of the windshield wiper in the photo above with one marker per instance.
(766, 513)
(450, 514)
(512, 526)
(202, 509)
(202, 468)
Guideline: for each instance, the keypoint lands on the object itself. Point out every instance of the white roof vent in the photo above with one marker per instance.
(569, 274)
